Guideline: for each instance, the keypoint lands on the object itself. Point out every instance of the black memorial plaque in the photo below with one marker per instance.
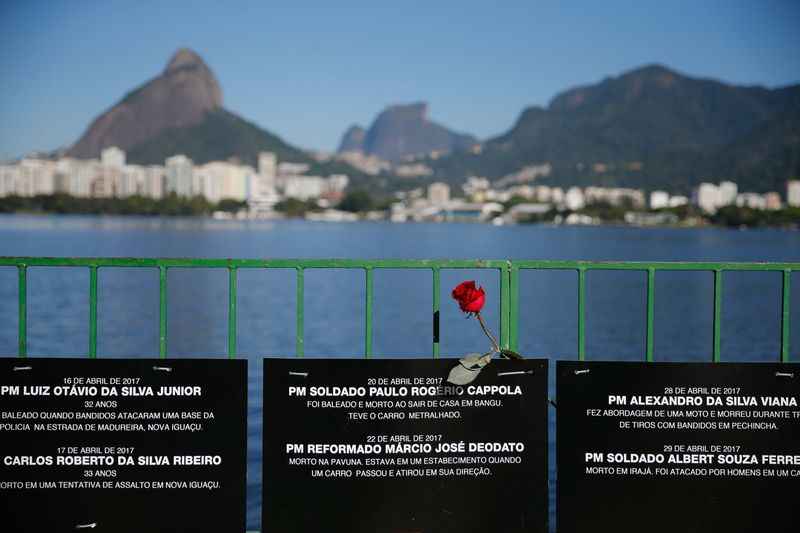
(112, 445)
(678, 447)
(388, 446)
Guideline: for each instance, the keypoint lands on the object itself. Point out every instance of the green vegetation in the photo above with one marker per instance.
(230, 205)
(219, 137)
(732, 216)
(357, 201)
(223, 136)
(605, 211)
(294, 208)
(650, 128)
(172, 205)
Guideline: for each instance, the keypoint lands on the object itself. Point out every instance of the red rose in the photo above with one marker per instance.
(470, 298)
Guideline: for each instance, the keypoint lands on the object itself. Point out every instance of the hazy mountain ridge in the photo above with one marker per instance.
(677, 128)
(181, 112)
(650, 127)
(353, 139)
(180, 97)
(219, 136)
(404, 131)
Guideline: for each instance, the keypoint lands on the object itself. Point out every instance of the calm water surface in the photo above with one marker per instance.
(334, 326)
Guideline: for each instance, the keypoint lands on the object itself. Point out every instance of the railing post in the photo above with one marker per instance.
(582, 314)
(299, 320)
(505, 305)
(162, 312)
(437, 282)
(785, 331)
(716, 357)
(22, 332)
(93, 311)
(368, 312)
(651, 295)
(232, 306)
(513, 319)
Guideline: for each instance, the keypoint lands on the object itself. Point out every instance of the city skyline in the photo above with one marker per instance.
(265, 191)
(307, 74)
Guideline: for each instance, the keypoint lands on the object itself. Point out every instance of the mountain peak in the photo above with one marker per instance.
(353, 139)
(414, 111)
(653, 69)
(180, 97)
(184, 58)
(401, 131)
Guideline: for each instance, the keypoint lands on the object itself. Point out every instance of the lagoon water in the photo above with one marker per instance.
(334, 300)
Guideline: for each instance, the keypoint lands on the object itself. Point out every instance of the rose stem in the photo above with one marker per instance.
(486, 331)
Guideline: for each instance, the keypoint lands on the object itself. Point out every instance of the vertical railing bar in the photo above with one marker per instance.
(232, 307)
(785, 332)
(162, 312)
(582, 314)
(93, 311)
(368, 279)
(514, 308)
(651, 295)
(299, 309)
(22, 335)
(505, 304)
(437, 282)
(716, 356)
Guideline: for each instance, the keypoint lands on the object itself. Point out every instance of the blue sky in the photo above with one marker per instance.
(307, 70)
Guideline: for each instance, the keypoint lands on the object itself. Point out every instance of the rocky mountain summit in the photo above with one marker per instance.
(404, 131)
(179, 97)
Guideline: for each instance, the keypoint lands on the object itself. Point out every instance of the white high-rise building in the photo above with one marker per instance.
(557, 195)
(304, 187)
(438, 193)
(267, 168)
(773, 201)
(752, 200)
(707, 197)
(574, 199)
(112, 157)
(659, 200)
(207, 183)
(178, 176)
(543, 193)
(261, 193)
(220, 180)
(727, 193)
(337, 183)
(76, 176)
(793, 193)
(9, 175)
(678, 201)
(153, 186)
(131, 181)
(36, 176)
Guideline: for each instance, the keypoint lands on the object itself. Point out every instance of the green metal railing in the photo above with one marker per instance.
(509, 274)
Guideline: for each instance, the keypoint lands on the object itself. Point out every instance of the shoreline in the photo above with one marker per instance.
(278, 217)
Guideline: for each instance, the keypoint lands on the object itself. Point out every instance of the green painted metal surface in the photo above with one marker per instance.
(509, 287)
(651, 308)
(22, 333)
(232, 305)
(785, 303)
(162, 311)
(717, 335)
(93, 311)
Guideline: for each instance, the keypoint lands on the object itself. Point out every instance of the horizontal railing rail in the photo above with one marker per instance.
(509, 274)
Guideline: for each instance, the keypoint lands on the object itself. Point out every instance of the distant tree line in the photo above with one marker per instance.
(729, 216)
(733, 216)
(170, 205)
(355, 201)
